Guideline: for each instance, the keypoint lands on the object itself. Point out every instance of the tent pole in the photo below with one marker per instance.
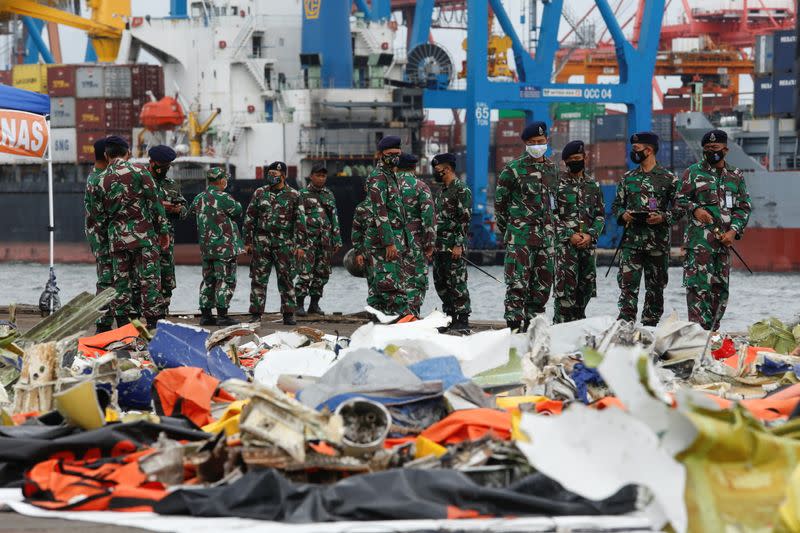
(50, 227)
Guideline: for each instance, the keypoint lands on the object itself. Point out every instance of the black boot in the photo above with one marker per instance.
(313, 307)
(288, 319)
(514, 325)
(223, 319)
(206, 318)
(301, 307)
(254, 317)
(152, 322)
(102, 328)
(123, 321)
(460, 323)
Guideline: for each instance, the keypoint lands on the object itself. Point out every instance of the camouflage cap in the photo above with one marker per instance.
(216, 174)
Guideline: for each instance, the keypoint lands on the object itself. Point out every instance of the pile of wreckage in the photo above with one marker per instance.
(652, 428)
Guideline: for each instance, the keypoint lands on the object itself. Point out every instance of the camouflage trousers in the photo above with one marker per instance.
(528, 276)
(105, 279)
(415, 269)
(450, 280)
(219, 282)
(168, 283)
(655, 265)
(313, 271)
(576, 282)
(387, 291)
(139, 270)
(281, 258)
(706, 276)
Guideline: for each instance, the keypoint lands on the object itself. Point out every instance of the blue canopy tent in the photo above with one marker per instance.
(30, 102)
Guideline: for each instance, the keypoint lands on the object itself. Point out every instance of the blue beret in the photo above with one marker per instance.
(534, 129)
(389, 142)
(277, 165)
(645, 137)
(162, 154)
(407, 162)
(715, 136)
(114, 140)
(444, 159)
(100, 149)
(572, 148)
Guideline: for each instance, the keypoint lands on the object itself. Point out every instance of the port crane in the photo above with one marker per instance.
(104, 28)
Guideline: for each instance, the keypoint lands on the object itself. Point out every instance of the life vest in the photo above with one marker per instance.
(107, 484)
(187, 391)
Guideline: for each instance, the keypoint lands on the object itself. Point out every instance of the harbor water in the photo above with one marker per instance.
(753, 297)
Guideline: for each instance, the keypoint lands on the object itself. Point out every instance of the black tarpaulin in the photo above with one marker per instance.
(21, 447)
(391, 495)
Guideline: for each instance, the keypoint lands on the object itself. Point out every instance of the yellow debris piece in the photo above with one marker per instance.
(426, 447)
(229, 421)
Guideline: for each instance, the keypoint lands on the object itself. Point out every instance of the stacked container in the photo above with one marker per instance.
(6, 77)
(775, 88)
(508, 145)
(30, 77)
(609, 149)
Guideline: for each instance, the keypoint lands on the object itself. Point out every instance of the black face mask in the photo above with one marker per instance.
(390, 160)
(438, 176)
(576, 166)
(714, 156)
(638, 157)
(159, 172)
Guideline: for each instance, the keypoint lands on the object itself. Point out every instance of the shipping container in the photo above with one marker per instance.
(609, 154)
(86, 140)
(136, 110)
(117, 82)
(682, 156)
(764, 54)
(90, 114)
(507, 131)
(664, 154)
(62, 112)
(119, 114)
(61, 80)
(146, 78)
(662, 125)
(506, 154)
(6, 77)
(572, 111)
(784, 94)
(64, 144)
(89, 82)
(762, 96)
(30, 77)
(784, 49)
(607, 175)
(610, 128)
(580, 130)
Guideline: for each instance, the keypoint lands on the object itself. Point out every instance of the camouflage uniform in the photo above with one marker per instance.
(168, 192)
(364, 236)
(579, 209)
(454, 209)
(706, 273)
(322, 226)
(132, 216)
(216, 212)
(420, 220)
(275, 226)
(645, 247)
(386, 211)
(524, 206)
(98, 241)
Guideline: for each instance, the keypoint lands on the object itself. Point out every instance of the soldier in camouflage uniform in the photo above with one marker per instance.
(579, 221)
(275, 235)
(130, 214)
(216, 212)
(715, 196)
(645, 204)
(420, 220)
(161, 158)
(386, 211)
(324, 240)
(98, 242)
(364, 237)
(454, 215)
(524, 205)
